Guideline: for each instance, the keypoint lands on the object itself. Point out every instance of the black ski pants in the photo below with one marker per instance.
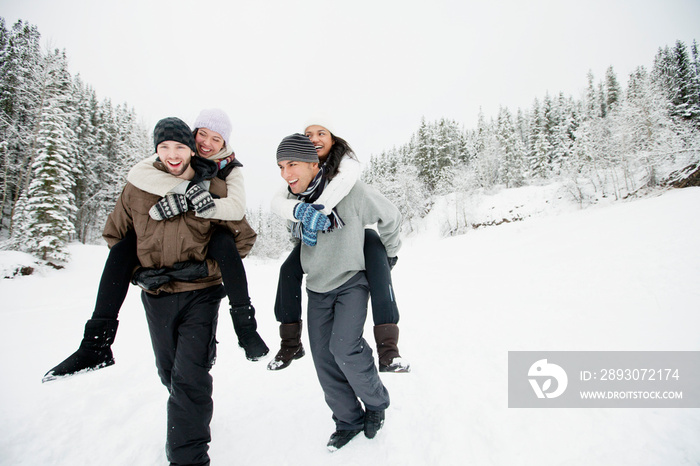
(183, 335)
(378, 271)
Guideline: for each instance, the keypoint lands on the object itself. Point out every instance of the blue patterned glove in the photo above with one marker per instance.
(309, 237)
(310, 216)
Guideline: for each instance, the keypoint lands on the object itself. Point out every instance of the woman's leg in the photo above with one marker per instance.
(384, 308)
(116, 276)
(288, 311)
(95, 350)
(385, 311)
(222, 248)
(288, 301)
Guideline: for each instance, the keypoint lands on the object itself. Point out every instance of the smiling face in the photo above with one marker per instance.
(176, 158)
(298, 175)
(322, 140)
(209, 142)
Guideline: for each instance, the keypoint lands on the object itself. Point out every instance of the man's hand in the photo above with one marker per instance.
(200, 201)
(169, 206)
(311, 218)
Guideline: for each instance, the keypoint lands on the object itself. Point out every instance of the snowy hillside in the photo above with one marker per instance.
(618, 277)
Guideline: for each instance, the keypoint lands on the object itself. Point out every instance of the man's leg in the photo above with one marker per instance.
(340, 397)
(187, 362)
(350, 350)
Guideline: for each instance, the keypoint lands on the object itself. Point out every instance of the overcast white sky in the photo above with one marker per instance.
(372, 67)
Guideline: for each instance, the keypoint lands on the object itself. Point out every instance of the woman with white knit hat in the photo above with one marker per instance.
(343, 168)
(212, 132)
(211, 139)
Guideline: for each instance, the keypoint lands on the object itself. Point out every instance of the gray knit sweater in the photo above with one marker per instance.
(339, 255)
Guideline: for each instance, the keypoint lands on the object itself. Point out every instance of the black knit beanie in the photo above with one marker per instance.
(173, 129)
(297, 147)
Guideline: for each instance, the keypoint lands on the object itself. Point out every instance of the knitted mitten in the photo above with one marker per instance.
(309, 237)
(169, 206)
(200, 200)
(310, 216)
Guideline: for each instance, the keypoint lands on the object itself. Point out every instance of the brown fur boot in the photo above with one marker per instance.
(387, 338)
(291, 347)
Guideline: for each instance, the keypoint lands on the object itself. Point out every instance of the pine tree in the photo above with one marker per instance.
(21, 92)
(677, 75)
(684, 102)
(592, 106)
(613, 92)
(562, 137)
(50, 200)
(400, 183)
(655, 140)
(513, 152)
(485, 165)
(602, 100)
(438, 146)
(538, 155)
(86, 182)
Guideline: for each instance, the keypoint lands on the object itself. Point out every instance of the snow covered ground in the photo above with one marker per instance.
(619, 277)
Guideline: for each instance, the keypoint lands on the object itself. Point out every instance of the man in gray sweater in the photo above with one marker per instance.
(333, 260)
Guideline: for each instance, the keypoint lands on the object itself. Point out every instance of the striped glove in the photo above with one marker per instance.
(200, 200)
(169, 206)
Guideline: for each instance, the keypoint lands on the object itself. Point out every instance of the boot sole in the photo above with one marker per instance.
(51, 377)
(395, 370)
(298, 355)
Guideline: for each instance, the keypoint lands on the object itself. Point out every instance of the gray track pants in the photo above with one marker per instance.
(343, 359)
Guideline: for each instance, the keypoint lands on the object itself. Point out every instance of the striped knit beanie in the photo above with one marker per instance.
(173, 129)
(215, 120)
(298, 148)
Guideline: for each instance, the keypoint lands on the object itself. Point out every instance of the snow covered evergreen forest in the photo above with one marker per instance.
(609, 144)
(65, 154)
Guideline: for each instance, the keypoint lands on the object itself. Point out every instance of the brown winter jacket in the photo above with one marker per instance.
(182, 238)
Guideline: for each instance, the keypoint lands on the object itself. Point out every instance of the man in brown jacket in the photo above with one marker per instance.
(181, 312)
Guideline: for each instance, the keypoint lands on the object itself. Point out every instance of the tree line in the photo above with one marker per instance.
(64, 153)
(610, 142)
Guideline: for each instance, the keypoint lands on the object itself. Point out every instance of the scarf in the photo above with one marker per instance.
(310, 195)
(221, 163)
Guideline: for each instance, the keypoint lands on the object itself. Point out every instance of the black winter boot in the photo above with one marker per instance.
(374, 420)
(387, 338)
(94, 353)
(340, 438)
(246, 329)
(291, 347)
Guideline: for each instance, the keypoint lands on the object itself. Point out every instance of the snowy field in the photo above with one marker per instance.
(619, 277)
